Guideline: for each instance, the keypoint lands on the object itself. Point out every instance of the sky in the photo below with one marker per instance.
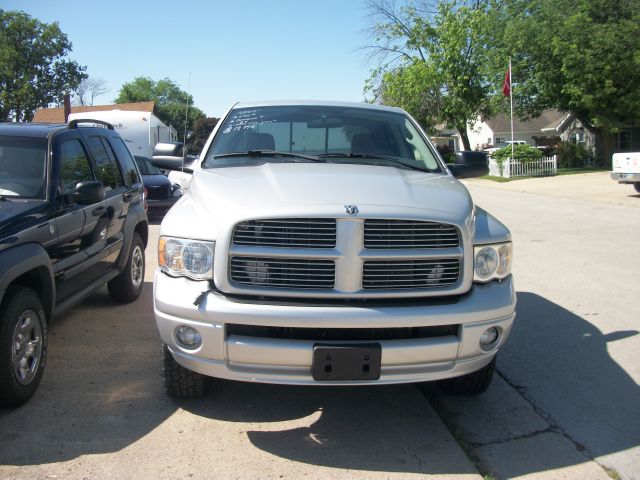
(222, 52)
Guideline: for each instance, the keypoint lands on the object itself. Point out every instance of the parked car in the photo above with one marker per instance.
(626, 169)
(71, 220)
(161, 194)
(328, 244)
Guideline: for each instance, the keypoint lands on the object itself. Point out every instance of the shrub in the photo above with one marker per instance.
(572, 155)
(522, 152)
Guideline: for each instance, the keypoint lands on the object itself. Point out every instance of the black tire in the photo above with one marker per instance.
(180, 382)
(470, 384)
(637, 186)
(127, 287)
(23, 345)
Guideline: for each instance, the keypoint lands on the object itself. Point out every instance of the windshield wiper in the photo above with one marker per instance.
(267, 153)
(372, 156)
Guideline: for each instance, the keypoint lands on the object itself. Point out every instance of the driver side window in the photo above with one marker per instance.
(74, 166)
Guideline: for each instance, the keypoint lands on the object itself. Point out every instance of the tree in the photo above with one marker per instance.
(34, 69)
(434, 60)
(585, 61)
(200, 132)
(171, 101)
(89, 89)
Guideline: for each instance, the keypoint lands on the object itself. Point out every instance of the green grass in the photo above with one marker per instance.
(574, 171)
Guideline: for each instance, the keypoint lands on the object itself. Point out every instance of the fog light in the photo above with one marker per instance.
(489, 337)
(188, 337)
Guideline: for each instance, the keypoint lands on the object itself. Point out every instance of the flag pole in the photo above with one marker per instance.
(511, 101)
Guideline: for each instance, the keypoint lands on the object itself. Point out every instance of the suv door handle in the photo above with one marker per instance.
(98, 210)
(127, 196)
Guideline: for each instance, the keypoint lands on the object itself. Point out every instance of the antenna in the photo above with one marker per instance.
(184, 138)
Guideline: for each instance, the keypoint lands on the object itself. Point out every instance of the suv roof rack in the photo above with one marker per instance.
(74, 123)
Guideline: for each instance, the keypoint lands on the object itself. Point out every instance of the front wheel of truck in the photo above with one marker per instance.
(637, 186)
(180, 382)
(471, 383)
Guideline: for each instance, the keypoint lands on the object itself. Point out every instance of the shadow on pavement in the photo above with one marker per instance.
(560, 362)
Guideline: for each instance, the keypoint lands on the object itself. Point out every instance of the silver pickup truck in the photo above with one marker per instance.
(328, 244)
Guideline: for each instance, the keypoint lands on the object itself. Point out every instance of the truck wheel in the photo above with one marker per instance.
(127, 286)
(23, 345)
(180, 382)
(470, 384)
(637, 186)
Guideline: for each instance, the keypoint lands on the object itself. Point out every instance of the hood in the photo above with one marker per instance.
(298, 189)
(16, 213)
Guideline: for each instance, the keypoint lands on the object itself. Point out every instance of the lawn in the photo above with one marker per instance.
(561, 171)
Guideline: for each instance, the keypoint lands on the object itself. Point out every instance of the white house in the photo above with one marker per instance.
(490, 132)
(136, 123)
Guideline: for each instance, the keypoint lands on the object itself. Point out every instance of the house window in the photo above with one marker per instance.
(499, 140)
(623, 141)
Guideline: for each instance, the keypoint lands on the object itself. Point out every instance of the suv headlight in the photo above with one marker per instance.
(183, 257)
(492, 262)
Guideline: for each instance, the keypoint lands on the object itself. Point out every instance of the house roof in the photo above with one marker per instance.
(56, 115)
(501, 122)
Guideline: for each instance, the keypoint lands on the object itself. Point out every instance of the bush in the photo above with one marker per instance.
(522, 152)
(572, 155)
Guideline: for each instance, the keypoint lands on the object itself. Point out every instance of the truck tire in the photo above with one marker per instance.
(180, 382)
(470, 384)
(126, 287)
(637, 186)
(23, 345)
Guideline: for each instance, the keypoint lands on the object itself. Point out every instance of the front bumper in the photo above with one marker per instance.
(287, 361)
(625, 177)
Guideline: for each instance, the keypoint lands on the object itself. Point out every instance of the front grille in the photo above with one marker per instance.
(399, 274)
(283, 272)
(342, 334)
(289, 232)
(159, 192)
(408, 234)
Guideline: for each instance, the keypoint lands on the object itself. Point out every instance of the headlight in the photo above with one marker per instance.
(491, 262)
(182, 257)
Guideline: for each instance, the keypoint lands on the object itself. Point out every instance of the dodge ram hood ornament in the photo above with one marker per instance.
(351, 209)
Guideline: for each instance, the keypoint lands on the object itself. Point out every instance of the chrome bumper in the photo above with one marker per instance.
(276, 360)
(625, 177)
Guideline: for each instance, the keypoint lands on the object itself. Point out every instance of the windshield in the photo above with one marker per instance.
(22, 166)
(317, 133)
(146, 167)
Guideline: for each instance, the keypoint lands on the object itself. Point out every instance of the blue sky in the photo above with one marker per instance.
(235, 50)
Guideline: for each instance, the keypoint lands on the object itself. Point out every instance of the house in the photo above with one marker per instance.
(489, 132)
(137, 123)
(446, 138)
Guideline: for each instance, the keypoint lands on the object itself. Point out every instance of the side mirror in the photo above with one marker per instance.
(88, 193)
(470, 164)
(170, 156)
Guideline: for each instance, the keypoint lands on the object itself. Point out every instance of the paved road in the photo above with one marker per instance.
(565, 405)
(574, 350)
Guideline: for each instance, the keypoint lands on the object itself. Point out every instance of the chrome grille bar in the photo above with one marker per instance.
(289, 232)
(392, 234)
(393, 274)
(283, 273)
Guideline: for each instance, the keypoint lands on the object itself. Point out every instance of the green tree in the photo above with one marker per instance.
(34, 69)
(579, 56)
(201, 130)
(171, 101)
(435, 60)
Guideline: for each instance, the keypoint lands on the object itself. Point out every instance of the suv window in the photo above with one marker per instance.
(74, 166)
(107, 169)
(128, 165)
(22, 166)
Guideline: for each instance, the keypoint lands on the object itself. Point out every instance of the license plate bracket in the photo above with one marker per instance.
(346, 361)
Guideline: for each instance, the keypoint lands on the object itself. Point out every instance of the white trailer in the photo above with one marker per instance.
(140, 130)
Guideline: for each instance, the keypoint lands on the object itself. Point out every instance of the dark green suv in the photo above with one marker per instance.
(72, 219)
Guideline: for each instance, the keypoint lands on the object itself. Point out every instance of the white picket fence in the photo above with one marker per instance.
(514, 168)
